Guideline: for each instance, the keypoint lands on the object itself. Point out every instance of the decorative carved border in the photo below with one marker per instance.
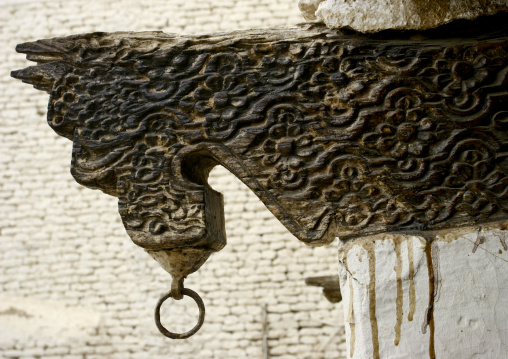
(337, 134)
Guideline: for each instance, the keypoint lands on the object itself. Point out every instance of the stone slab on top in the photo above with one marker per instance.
(377, 15)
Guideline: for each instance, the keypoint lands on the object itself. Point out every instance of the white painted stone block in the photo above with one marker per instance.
(437, 297)
(377, 15)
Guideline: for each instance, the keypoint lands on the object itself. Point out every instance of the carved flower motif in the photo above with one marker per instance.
(465, 77)
(405, 131)
(334, 82)
(219, 92)
(459, 79)
(286, 144)
(219, 99)
(287, 148)
(325, 81)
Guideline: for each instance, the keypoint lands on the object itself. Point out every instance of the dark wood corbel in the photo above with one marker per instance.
(338, 134)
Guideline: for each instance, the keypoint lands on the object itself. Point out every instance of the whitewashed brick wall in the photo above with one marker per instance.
(73, 285)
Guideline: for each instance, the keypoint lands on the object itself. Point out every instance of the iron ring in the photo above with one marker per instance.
(201, 319)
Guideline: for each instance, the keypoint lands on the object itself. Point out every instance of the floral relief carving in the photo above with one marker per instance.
(287, 149)
(219, 100)
(368, 135)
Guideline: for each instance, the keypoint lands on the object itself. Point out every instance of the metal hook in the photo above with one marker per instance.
(177, 288)
(189, 293)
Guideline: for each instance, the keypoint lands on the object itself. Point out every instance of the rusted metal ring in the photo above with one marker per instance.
(201, 318)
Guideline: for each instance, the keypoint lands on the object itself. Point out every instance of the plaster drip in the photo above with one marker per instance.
(412, 290)
(400, 294)
(350, 319)
(372, 298)
(429, 313)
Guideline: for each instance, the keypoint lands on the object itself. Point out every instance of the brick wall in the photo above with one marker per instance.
(72, 284)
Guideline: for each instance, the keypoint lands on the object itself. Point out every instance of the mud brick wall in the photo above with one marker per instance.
(73, 285)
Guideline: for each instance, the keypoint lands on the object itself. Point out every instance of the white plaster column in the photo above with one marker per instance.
(443, 296)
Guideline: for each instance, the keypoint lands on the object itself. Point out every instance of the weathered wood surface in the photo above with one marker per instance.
(337, 134)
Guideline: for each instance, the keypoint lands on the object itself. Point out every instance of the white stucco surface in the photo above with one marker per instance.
(462, 275)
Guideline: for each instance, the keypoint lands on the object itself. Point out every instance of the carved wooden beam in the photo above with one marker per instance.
(339, 135)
